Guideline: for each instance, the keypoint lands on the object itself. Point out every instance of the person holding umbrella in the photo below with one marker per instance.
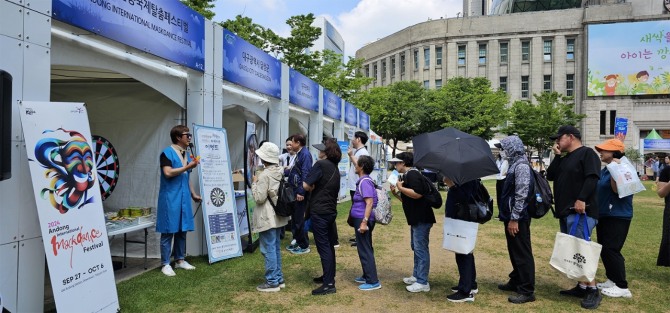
(420, 218)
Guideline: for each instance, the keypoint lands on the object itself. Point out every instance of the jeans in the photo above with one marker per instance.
(322, 225)
(179, 246)
(366, 253)
(270, 245)
(298, 224)
(612, 233)
(420, 237)
(566, 224)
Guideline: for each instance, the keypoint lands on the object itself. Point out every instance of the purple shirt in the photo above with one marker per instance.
(365, 189)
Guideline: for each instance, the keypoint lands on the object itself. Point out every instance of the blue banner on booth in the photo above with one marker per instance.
(303, 91)
(620, 128)
(167, 29)
(248, 66)
(332, 105)
(350, 114)
(363, 120)
(657, 144)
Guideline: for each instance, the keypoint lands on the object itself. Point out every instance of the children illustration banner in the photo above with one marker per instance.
(67, 195)
(222, 233)
(629, 58)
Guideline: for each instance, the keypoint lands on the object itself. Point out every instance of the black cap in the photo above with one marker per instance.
(319, 146)
(567, 130)
(498, 145)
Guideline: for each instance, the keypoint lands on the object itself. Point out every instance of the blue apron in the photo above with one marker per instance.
(174, 199)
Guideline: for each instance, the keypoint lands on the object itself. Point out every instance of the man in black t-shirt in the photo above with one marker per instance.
(575, 171)
(420, 218)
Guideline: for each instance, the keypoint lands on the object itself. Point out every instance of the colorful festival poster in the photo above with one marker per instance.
(222, 233)
(69, 205)
(620, 128)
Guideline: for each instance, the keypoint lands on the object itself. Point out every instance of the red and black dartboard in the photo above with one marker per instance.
(107, 162)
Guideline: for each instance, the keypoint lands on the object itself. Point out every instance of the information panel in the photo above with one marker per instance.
(218, 196)
(303, 91)
(363, 120)
(350, 114)
(248, 66)
(69, 206)
(165, 28)
(332, 105)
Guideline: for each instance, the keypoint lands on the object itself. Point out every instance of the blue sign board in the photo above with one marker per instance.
(363, 120)
(248, 66)
(350, 114)
(657, 144)
(332, 105)
(167, 29)
(303, 91)
(620, 128)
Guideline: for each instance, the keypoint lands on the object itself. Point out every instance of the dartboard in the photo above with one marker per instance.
(107, 162)
(217, 196)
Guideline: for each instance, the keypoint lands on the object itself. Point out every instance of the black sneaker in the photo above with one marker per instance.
(577, 291)
(318, 280)
(324, 290)
(592, 300)
(519, 299)
(352, 239)
(474, 291)
(353, 244)
(461, 297)
(507, 287)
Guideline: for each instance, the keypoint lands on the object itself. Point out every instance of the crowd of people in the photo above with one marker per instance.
(586, 198)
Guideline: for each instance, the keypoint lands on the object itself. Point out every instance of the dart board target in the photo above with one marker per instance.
(218, 197)
(107, 164)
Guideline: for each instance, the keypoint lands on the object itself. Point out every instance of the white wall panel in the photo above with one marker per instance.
(40, 6)
(11, 200)
(9, 263)
(11, 61)
(28, 219)
(31, 271)
(37, 74)
(11, 20)
(37, 27)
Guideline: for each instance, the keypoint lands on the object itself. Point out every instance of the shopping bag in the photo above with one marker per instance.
(459, 236)
(625, 176)
(575, 257)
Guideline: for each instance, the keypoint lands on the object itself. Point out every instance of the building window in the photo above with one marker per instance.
(524, 87)
(503, 83)
(416, 59)
(438, 56)
(426, 57)
(426, 84)
(392, 66)
(547, 50)
(374, 71)
(383, 69)
(482, 53)
(503, 52)
(402, 63)
(367, 71)
(547, 83)
(612, 121)
(461, 55)
(525, 51)
(438, 83)
(570, 85)
(571, 49)
(603, 122)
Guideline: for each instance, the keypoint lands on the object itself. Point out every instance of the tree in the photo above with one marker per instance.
(535, 123)
(467, 104)
(201, 6)
(257, 35)
(341, 79)
(294, 48)
(395, 110)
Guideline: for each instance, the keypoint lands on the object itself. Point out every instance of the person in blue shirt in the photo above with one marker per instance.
(613, 224)
(297, 174)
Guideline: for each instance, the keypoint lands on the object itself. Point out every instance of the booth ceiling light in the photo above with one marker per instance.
(116, 53)
(329, 120)
(245, 94)
(297, 109)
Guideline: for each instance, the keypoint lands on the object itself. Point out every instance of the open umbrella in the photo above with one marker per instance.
(457, 155)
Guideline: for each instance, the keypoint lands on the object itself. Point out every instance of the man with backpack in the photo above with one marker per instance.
(513, 206)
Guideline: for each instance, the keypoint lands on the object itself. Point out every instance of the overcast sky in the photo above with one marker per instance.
(358, 21)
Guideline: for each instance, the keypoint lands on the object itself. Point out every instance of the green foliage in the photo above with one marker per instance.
(257, 35)
(633, 155)
(201, 6)
(468, 104)
(341, 79)
(535, 123)
(292, 49)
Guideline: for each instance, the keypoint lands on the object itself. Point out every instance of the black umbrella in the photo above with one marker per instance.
(457, 155)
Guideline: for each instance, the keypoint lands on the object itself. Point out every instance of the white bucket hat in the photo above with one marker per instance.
(268, 152)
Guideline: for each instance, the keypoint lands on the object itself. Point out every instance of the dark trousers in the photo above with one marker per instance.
(322, 225)
(467, 272)
(612, 233)
(521, 256)
(499, 187)
(366, 252)
(298, 224)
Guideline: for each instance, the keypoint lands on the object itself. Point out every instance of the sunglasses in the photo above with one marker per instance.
(189, 135)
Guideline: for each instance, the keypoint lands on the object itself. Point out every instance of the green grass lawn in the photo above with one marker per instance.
(229, 286)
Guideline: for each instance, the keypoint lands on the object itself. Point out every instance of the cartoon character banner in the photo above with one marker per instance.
(222, 232)
(69, 205)
(629, 58)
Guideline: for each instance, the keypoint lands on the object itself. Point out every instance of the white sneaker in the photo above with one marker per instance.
(416, 287)
(184, 265)
(616, 292)
(607, 284)
(167, 270)
(409, 280)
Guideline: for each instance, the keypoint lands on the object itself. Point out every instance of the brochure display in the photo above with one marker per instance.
(343, 166)
(219, 211)
(64, 177)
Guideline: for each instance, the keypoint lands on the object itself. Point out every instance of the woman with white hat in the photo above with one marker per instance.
(264, 220)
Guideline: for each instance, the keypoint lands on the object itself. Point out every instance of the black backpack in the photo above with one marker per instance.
(285, 199)
(541, 199)
(433, 196)
(478, 208)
